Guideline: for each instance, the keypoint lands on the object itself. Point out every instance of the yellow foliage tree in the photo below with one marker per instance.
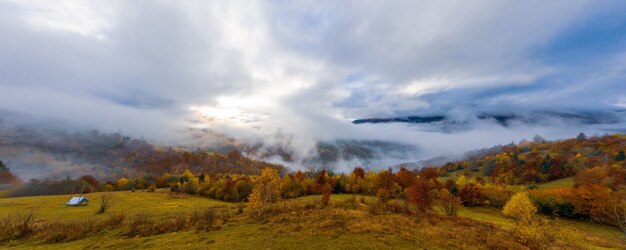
(121, 183)
(461, 181)
(520, 207)
(266, 190)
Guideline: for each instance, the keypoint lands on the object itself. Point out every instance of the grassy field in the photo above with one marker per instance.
(559, 183)
(159, 202)
(296, 224)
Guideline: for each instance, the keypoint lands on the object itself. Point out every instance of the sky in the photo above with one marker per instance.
(270, 70)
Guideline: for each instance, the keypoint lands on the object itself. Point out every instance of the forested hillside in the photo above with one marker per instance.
(540, 161)
(125, 156)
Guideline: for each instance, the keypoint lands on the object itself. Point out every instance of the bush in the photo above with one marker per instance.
(448, 202)
(496, 195)
(17, 226)
(551, 204)
(204, 219)
(471, 195)
(105, 203)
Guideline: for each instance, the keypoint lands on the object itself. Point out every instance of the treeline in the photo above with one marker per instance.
(540, 161)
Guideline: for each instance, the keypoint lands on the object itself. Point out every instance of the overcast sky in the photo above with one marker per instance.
(257, 68)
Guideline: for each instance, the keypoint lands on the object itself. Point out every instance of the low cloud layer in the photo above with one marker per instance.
(270, 70)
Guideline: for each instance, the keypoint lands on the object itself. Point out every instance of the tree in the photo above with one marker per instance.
(546, 165)
(448, 202)
(384, 186)
(6, 177)
(520, 207)
(405, 178)
(359, 173)
(620, 156)
(461, 181)
(581, 137)
(471, 195)
(429, 173)
(90, 180)
(266, 190)
(419, 195)
(121, 183)
(326, 192)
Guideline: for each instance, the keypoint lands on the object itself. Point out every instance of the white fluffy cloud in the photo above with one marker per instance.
(304, 68)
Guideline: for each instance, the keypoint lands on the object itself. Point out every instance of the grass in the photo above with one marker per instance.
(586, 234)
(160, 202)
(559, 183)
(294, 224)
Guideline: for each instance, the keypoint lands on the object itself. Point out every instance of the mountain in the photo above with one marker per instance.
(506, 119)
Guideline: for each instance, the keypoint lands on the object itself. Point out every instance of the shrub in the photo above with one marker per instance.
(204, 219)
(471, 195)
(138, 225)
(17, 226)
(448, 202)
(105, 203)
(326, 191)
(496, 195)
(552, 202)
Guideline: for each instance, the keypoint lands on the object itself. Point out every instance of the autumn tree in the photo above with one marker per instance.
(122, 183)
(355, 181)
(428, 173)
(266, 190)
(520, 207)
(448, 202)
(590, 176)
(90, 180)
(6, 177)
(292, 187)
(359, 172)
(405, 178)
(471, 195)
(384, 185)
(620, 156)
(419, 194)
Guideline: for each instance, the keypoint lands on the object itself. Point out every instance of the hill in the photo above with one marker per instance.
(347, 223)
(53, 153)
(540, 161)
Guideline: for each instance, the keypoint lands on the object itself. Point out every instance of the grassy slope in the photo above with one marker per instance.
(53, 206)
(589, 235)
(559, 183)
(316, 228)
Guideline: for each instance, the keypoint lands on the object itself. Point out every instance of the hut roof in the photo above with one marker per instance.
(77, 201)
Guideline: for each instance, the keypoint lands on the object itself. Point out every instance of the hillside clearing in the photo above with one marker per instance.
(298, 223)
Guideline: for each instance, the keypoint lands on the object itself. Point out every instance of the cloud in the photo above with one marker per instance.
(255, 69)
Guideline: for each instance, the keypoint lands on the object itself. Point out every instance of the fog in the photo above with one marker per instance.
(290, 75)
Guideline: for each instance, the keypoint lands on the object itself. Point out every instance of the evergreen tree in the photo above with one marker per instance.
(620, 156)
(545, 165)
(581, 137)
